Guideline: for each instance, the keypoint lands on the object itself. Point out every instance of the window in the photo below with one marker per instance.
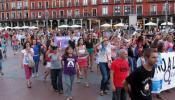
(19, 15)
(165, 8)
(94, 2)
(139, 1)
(25, 4)
(13, 5)
(2, 16)
(39, 14)
(105, 10)
(69, 13)
(33, 15)
(127, 10)
(139, 10)
(85, 12)
(19, 5)
(13, 15)
(153, 9)
(76, 2)
(47, 5)
(54, 14)
(117, 10)
(77, 13)
(32, 5)
(61, 3)
(94, 12)
(54, 4)
(127, 1)
(7, 6)
(8, 16)
(69, 3)
(39, 5)
(61, 13)
(104, 1)
(117, 1)
(85, 2)
(25, 14)
(174, 8)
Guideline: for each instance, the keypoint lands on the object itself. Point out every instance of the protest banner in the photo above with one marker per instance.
(62, 41)
(164, 76)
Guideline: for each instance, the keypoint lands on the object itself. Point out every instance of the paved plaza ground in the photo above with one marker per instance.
(13, 86)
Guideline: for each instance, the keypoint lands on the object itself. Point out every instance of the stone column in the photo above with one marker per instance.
(37, 23)
(90, 22)
(24, 24)
(58, 22)
(17, 23)
(157, 22)
(44, 23)
(73, 21)
(30, 23)
(144, 23)
(111, 22)
(11, 24)
(81, 20)
(51, 23)
(171, 19)
(99, 22)
(65, 21)
(121, 20)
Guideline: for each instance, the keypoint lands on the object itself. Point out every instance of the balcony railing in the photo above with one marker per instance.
(127, 1)
(117, 1)
(153, 13)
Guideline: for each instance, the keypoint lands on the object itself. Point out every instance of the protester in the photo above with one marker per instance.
(82, 60)
(27, 55)
(70, 66)
(104, 58)
(138, 84)
(119, 72)
(1, 58)
(56, 70)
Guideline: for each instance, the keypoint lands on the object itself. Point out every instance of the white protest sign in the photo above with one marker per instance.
(164, 77)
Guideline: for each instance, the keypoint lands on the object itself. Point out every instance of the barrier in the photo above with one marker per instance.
(164, 76)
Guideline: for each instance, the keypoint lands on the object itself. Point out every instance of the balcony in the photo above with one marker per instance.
(77, 4)
(69, 4)
(117, 2)
(117, 14)
(127, 1)
(153, 13)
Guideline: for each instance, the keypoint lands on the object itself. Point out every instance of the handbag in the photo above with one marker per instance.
(31, 63)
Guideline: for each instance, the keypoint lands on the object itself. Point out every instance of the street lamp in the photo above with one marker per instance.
(46, 17)
(166, 12)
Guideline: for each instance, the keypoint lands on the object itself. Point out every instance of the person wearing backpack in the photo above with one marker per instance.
(56, 70)
(1, 57)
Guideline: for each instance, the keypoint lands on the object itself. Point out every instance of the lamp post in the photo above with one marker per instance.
(46, 17)
(166, 13)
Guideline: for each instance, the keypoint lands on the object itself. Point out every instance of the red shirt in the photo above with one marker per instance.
(121, 71)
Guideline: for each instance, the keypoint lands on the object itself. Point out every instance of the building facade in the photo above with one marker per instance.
(88, 13)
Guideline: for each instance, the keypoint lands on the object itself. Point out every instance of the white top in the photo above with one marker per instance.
(104, 56)
(26, 55)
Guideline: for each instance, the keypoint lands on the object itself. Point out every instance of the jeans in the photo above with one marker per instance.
(56, 79)
(35, 69)
(119, 94)
(1, 65)
(132, 63)
(68, 83)
(105, 75)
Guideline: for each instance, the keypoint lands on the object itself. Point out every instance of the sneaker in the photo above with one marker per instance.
(86, 84)
(2, 73)
(101, 93)
(33, 75)
(70, 98)
(37, 74)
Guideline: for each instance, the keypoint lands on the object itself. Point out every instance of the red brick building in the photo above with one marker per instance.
(88, 13)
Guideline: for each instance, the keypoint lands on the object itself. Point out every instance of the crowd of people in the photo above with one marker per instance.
(126, 61)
